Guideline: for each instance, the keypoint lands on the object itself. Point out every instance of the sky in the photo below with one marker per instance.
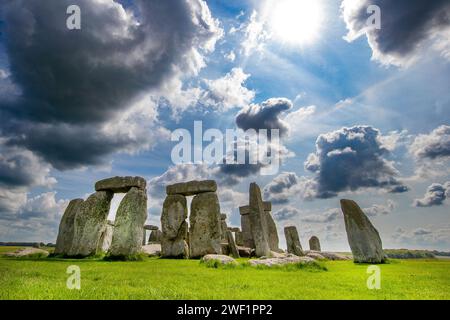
(363, 111)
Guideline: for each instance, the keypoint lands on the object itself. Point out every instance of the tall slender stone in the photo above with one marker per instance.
(238, 238)
(363, 238)
(258, 222)
(90, 223)
(271, 228)
(144, 236)
(247, 237)
(293, 241)
(174, 227)
(232, 244)
(66, 227)
(205, 225)
(314, 244)
(129, 224)
(223, 226)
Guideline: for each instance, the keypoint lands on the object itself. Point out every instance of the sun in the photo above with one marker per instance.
(295, 22)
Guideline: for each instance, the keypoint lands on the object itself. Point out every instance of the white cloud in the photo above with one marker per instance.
(229, 91)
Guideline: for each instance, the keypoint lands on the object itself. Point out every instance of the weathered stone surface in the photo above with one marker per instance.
(66, 231)
(329, 255)
(272, 231)
(223, 229)
(363, 238)
(225, 248)
(174, 227)
(233, 249)
(28, 253)
(106, 238)
(315, 255)
(90, 222)
(293, 241)
(288, 259)
(120, 184)
(246, 252)
(152, 249)
(247, 237)
(155, 236)
(192, 187)
(258, 222)
(267, 205)
(205, 225)
(129, 224)
(238, 238)
(222, 259)
(234, 229)
(314, 244)
(150, 227)
(223, 216)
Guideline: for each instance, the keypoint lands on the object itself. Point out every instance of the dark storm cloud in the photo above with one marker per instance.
(435, 195)
(21, 168)
(265, 116)
(434, 145)
(72, 82)
(405, 25)
(350, 159)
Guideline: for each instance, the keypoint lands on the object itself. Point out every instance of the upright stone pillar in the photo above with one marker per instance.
(223, 226)
(258, 222)
(238, 238)
(232, 244)
(363, 238)
(174, 227)
(314, 244)
(129, 225)
(247, 237)
(293, 241)
(66, 227)
(271, 227)
(205, 225)
(90, 222)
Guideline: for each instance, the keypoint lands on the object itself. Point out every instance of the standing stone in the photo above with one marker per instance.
(150, 227)
(247, 237)
(174, 227)
(90, 223)
(232, 245)
(363, 238)
(205, 225)
(314, 244)
(129, 224)
(120, 184)
(271, 228)
(155, 236)
(144, 236)
(258, 222)
(293, 241)
(66, 227)
(238, 238)
(223, 226)
(106, 238)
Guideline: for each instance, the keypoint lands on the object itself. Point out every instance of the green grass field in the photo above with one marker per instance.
(189, 279)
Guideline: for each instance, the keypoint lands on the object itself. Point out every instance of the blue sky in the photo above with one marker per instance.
(72, 119)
